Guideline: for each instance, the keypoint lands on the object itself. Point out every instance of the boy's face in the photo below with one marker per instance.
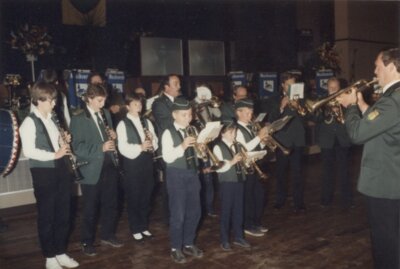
(47, 105)
(230, 135)
(96, 103)
(182, 117)
(244, 114)
(134, 107)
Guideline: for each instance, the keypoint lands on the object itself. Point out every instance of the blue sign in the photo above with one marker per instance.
(237, 78)
(77, 86)
(116, 79)
(267, 84)
(321, 79)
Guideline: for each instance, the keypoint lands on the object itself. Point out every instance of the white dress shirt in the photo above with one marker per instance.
(218, 153)
(252, 144)
(28, 137)
(387, 86)
(169, 152)
(94, 117)
(129, 150)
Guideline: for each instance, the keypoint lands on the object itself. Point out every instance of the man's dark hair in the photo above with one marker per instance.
(392, 56)
(94, 90)
(286, 76)
(50, 76)
(165, 81)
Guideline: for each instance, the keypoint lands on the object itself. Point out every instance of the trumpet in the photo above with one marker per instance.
(114, 156)
(295, 105)
(72, 165)
(359, 85)
(270, 141)
(248, 165)
(214, 102)
(334, 111)
(206, 153)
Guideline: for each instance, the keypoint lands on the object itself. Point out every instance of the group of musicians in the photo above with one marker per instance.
(103, 155)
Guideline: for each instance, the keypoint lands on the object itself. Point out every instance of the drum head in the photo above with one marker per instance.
(9, 141)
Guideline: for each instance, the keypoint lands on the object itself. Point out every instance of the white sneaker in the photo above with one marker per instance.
(147, 233)
(52, 263)
(65, 260)
(138, 236)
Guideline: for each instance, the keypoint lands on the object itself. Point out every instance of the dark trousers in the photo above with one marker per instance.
(231, 195)
(207, 190)
(383, 215)
(282, 163)
(52, 190)
(184, 206)
(102, 195)
(138, 187)
(339, 156)
(254, 200)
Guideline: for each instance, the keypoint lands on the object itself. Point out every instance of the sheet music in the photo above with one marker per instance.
(260, 117)
(296, 91)
(256, 155)
(210, 132)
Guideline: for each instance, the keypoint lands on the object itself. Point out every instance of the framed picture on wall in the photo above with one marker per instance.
(160, 56)
(206, 58)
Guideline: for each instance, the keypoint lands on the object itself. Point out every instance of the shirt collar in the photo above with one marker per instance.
(39, 115)
(178, 126)
(133, 118)
(229, 144)
(169, 97)
(243, 124)
(387, 86)
(91, 111)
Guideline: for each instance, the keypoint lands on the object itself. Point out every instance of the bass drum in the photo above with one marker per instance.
(9, 141)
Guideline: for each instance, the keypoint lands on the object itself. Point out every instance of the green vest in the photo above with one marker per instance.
(232, 175)
(42, 141)
(248, 136)
(180, 162)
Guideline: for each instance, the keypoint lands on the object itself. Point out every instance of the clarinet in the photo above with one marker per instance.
(115, 157)
(73, 167)
(146, 133)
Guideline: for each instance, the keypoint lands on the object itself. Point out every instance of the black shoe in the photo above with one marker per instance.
(177, 256)
(193, 251)
(89, 250)
(226, 246)
(299, 210)
(261, 229)
(113, 242)
(241, 243)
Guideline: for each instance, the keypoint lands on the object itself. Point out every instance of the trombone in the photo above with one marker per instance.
(359, 85)
(206, 152)
(248, 165)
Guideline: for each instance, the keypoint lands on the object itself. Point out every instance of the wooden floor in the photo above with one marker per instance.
(320, 238)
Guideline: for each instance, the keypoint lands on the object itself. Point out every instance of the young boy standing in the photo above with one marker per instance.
(137, 143)
(231, 187)
(183, 184)
(45, 149)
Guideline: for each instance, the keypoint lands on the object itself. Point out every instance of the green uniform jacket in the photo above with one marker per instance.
(379, 130)
(87, 145)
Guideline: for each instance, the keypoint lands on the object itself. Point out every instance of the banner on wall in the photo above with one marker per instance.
(77, 86)
(237, 78)
(321, 79)
(267, 84)
(116, 79)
